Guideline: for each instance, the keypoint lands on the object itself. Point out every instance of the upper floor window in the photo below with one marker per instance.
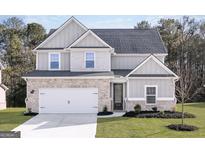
(54, 61)
(89, 60)
(151, 92)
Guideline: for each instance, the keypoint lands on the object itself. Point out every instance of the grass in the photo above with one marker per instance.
(125, 127)
(11, 118)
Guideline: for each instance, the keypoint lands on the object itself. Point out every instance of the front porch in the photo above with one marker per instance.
(118, 89)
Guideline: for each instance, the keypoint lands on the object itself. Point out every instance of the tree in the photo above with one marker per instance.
(16, 42)
(183, 43)
(34, 34)
(143, 25)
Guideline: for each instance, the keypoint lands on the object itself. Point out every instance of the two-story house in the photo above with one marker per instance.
(3, 89)
(81, 70)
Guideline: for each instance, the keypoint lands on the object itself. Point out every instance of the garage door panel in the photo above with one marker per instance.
(68, 100)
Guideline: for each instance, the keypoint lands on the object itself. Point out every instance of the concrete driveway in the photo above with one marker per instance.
(60, 125)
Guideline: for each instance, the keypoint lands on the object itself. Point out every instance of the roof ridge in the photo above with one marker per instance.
(122, 29)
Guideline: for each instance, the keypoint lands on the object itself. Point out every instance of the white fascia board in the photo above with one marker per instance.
(52, 50)
(137, 54)
(94, 77)
(139, 66)
(60, 28)
(157, 99)
(148, 78)
(86, 34)
(157, 61)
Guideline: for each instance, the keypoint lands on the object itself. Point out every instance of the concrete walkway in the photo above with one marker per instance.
(60, 125)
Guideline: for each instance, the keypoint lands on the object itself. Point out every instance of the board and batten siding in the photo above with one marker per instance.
(102, 60)
(129, 62)
(88, 41)
(43, 61)
(65, 37)
(151, 67)
(136, 88)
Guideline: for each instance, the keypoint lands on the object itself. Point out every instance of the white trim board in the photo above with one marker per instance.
(144, 99)
(90, 69)
(61, 28)
(83, 77)
(157, 61)
(145, 94)
(49, 60)
(142, 54)
(86, 34)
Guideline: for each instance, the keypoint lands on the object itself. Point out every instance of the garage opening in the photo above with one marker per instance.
(68, 100)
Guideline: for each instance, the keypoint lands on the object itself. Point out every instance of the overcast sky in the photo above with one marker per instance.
(95, 21)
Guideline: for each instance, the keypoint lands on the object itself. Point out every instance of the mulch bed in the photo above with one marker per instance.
(180, 127)
(104, 113)
(30, 114)
(158, 114)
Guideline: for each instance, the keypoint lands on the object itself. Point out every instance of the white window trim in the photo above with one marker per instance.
(145, 94)
(49, 60)
(85, 60)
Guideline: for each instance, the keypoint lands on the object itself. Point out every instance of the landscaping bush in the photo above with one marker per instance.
(180, 127)
(105, 112)
(157, 114)
(137, 108)
(105, 109)
(154, 109)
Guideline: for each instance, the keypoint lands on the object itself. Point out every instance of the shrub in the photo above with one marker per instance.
(105, 112)
(137, 108)
(163, 114)
(180, 127)
(154, 109)
(105, 109)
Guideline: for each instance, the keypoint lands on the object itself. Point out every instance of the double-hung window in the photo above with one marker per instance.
(89, 60)
(151, 92)
(54, 61)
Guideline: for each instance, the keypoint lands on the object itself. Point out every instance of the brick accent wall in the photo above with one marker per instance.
(33, 86)
(161, 105)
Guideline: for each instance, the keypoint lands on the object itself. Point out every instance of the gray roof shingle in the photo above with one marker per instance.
(39, 73)
(132, 40)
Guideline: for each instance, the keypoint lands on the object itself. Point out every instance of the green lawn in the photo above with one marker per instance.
(11, 118)
(139, 127)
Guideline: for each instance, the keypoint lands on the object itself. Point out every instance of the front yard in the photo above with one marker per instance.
(153, 127)
(11, 118)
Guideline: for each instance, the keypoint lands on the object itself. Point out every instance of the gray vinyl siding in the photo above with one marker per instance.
(102, 61)
(65, 61)
(166, 87)
(65, 37)
(129, 62)
(43, 61)
(151, 67)
(90, 40)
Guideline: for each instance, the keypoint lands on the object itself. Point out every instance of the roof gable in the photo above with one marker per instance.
(64, 35)
(152, 66)
(89, 40)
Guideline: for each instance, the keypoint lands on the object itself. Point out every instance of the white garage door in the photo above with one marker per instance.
(68, 100)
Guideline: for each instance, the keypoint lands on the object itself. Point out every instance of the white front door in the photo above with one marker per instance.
(68, 100)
